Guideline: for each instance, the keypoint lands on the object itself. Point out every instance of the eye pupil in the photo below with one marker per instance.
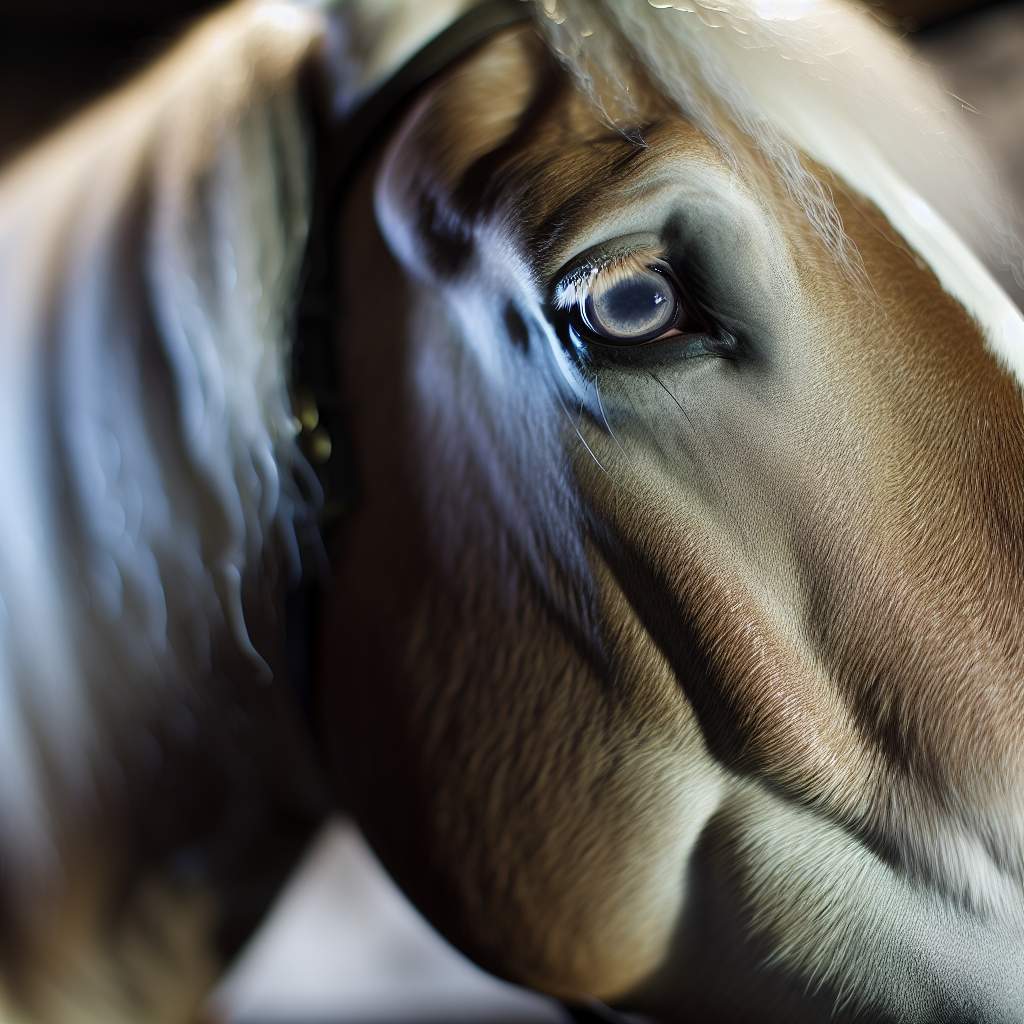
(636, 309)
(633, 300)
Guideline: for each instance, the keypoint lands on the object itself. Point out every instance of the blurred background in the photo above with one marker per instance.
(343, 946)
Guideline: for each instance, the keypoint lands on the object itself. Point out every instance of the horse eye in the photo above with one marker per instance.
(639, 307)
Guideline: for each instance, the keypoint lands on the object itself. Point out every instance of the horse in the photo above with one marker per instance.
(669, 650)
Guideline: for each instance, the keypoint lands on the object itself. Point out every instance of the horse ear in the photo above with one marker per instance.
(414, 202)
(436, 164)
(415, 195)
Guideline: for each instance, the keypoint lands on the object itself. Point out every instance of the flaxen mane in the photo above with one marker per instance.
(793, 77)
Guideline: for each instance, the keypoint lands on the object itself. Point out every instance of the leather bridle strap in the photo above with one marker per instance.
(346, 147)
(349, 146)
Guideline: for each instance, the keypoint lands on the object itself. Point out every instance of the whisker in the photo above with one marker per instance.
(679, 405)
(608, 427)
(713, 468)
(583, 440)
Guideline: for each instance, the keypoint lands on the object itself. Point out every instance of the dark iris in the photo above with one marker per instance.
(639, 308)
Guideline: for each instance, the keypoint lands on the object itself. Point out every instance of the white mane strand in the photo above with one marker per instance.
(148, 261)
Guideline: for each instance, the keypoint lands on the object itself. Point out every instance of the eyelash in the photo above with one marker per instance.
(602, 271)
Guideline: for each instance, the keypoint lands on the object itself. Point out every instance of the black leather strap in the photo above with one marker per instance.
(345, 149)
(348, 147)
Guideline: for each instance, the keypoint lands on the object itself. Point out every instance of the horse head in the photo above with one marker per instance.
(676, 643)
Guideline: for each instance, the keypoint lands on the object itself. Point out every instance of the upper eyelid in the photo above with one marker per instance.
(608, 261)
